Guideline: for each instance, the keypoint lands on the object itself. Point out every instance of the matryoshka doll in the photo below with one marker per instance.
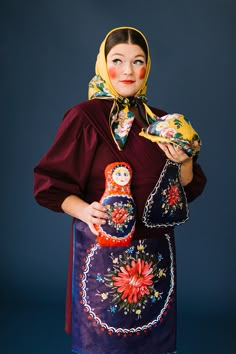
(120, 206)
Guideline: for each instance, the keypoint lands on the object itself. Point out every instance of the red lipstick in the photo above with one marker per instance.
(127, 82)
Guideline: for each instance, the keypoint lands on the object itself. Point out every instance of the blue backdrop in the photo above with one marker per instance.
(48, 52)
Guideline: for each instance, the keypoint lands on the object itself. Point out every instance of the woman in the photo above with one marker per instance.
(119, 299)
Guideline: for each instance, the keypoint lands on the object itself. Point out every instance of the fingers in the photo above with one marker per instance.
(92, 229)
(162, 146)
(168, 149)
(173, 152)
(96, 214)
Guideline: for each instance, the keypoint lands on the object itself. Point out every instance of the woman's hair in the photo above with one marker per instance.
(125, 35)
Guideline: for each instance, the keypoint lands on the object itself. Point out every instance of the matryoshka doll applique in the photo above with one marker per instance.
(120, 207)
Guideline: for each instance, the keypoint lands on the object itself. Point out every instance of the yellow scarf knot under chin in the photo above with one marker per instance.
(120, 118)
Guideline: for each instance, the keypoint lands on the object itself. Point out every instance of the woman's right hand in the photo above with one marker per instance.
(94, 213)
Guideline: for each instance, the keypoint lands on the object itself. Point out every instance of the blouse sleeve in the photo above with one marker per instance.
(64, 169)
(197, 185)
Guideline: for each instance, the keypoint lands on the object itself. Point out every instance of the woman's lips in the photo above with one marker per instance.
(127, 82)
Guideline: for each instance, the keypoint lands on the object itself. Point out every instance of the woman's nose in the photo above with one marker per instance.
(128, 68)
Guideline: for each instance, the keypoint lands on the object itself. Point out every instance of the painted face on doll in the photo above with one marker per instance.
(126, 65)
(121, 176)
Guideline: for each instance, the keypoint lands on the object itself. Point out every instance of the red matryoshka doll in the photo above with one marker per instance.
(120, 207)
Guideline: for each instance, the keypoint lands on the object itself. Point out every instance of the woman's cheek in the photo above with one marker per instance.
(142, 73)
(112, 73)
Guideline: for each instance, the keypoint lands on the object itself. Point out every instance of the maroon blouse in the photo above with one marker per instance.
(76, 161)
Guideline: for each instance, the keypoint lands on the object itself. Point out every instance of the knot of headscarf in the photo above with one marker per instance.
(121, 118)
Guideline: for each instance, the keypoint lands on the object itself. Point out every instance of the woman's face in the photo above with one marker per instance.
(126, 65)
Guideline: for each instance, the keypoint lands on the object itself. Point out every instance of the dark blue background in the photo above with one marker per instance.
(48, 52)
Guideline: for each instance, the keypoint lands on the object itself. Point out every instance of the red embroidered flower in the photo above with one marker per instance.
(133, 281)
(173, 195)
(119, 215)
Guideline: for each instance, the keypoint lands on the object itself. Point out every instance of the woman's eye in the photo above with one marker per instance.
(116, 61)
(139, 62)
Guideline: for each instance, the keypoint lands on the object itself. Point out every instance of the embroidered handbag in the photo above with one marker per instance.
(167, 203)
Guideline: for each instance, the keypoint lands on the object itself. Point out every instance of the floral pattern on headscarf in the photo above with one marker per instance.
(175, 129)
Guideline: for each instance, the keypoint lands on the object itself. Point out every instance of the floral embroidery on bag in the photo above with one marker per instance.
(167, 204)
(171, 197)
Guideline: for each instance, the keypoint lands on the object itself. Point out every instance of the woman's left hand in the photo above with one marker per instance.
(174, 152)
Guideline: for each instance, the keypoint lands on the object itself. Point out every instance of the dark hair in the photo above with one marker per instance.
(125, 35)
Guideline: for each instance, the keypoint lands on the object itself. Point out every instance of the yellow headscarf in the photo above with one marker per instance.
(101, 64)
(100, 86)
